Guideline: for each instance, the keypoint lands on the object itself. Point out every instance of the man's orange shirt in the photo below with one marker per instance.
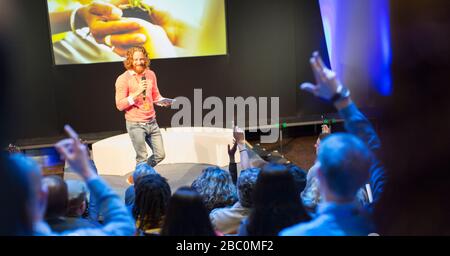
(127, 84)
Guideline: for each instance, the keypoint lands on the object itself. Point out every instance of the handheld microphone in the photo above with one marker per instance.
(144, 92)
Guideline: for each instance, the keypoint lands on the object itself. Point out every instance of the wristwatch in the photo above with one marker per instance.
(341, 93)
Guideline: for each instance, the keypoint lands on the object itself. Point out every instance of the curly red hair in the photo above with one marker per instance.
(128, 62)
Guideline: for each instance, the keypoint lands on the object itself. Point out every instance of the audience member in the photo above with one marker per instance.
(152, 196)
(25, 214)
(187, 215)
(232, 166)
(311, 195)
(276, 203)
(77, 198)
(141, 170)
(299, 176)
(344, 164)
(228, 219)
(78, 213)
(57, 198)
(216, 187)
(64, 211)
(23, 202)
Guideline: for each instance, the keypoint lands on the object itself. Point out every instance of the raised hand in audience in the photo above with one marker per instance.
(239, 135)
(327, 84)
(326, 128)
(76, 153)
(117, 219)
(232, 151)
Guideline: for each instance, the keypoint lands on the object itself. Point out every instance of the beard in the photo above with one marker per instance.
(139, 69)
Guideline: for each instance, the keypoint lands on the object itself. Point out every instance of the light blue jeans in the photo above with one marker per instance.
(141, 133)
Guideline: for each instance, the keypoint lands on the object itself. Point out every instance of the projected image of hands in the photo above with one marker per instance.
(85, 31)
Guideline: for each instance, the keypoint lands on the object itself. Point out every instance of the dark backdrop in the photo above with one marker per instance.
(269, 44)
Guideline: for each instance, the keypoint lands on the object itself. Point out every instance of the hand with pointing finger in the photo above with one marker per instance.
(326, 129)
(76, 154)
(327, 85)
(326, 81)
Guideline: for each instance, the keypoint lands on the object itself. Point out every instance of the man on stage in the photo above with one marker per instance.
(136, 92)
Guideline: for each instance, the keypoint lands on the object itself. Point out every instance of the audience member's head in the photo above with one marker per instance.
(57, 199)
(276, 202)
(77, 198)
(299, 176)
(343, 166)
(22, 195)
(152, 195)
(187, 215)
(141, 170)
(246, 185)
(216, 187)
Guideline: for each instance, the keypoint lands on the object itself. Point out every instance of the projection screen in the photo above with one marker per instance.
(86, 31)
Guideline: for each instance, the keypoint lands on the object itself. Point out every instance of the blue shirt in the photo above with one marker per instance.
(334, 220)
(357, 124)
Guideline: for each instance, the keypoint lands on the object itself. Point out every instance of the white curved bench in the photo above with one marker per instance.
(203, 145)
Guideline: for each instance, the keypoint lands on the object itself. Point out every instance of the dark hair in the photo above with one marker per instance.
(216, 187)
(276, 203)
(15, 195)
(152, 195)
(299, 176)
(58, 197)
(246, 185)
(187, 215)
(344, 161)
